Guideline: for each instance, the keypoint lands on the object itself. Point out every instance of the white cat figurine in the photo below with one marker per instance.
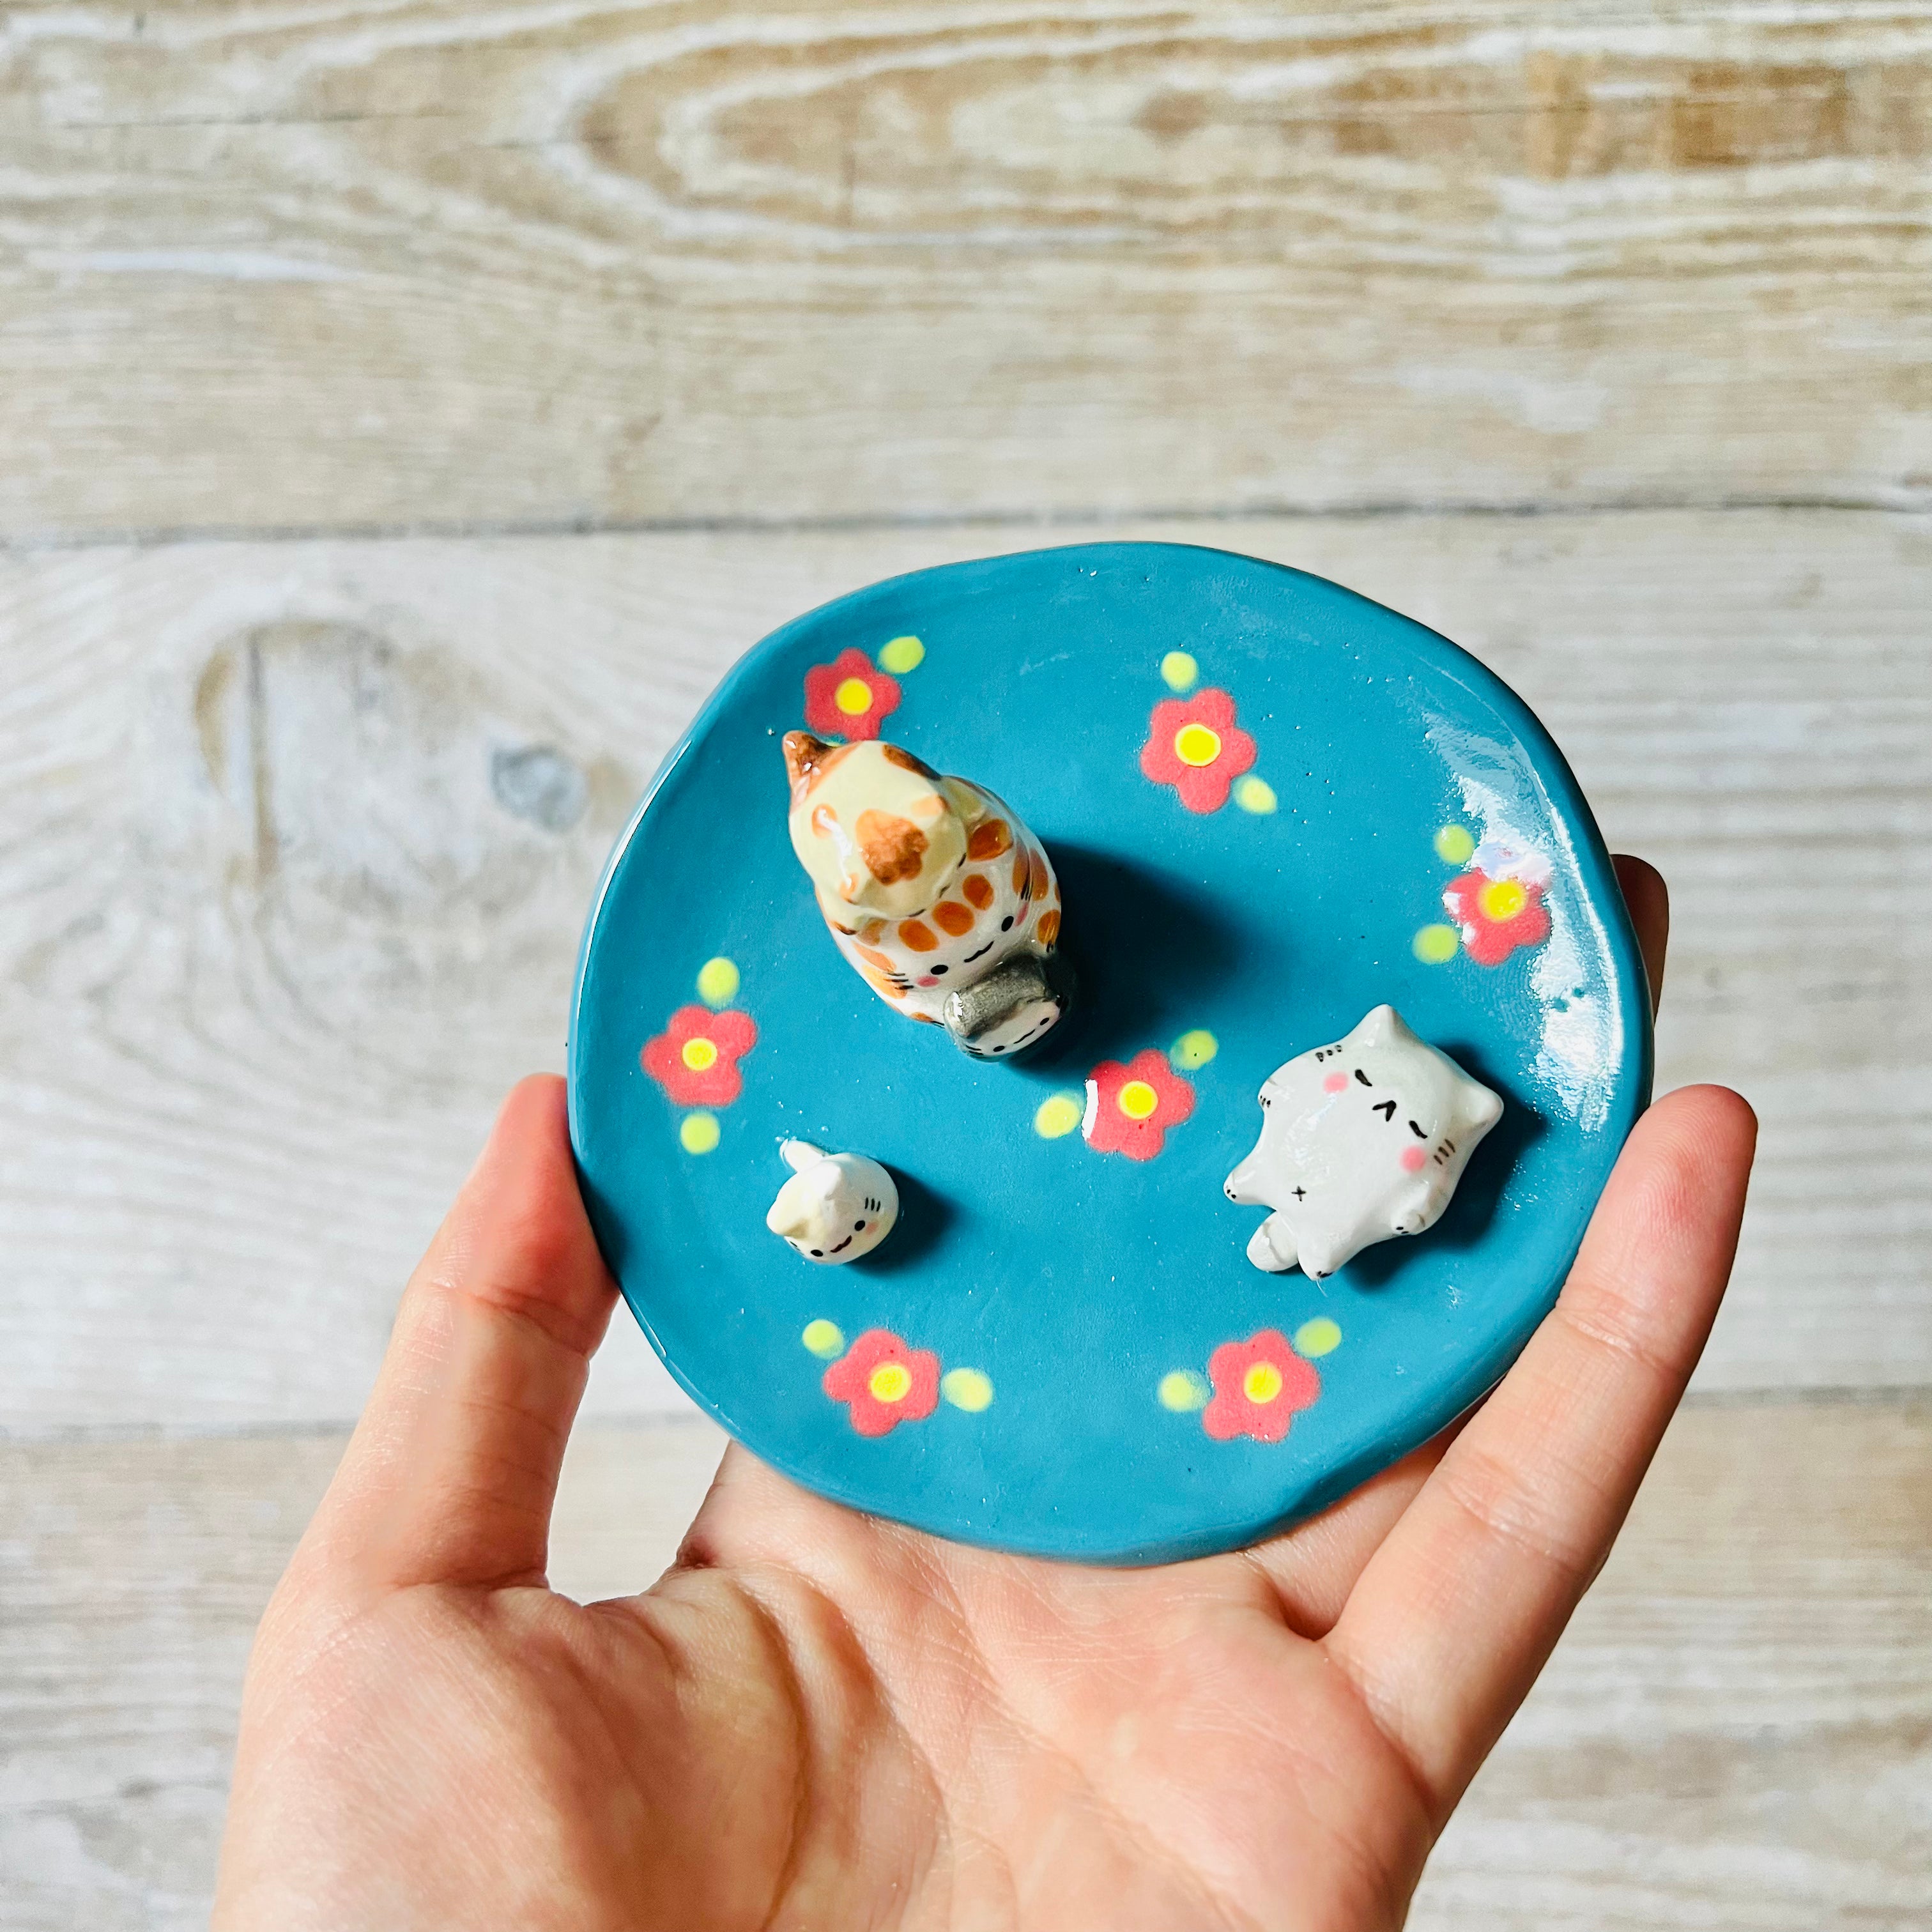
(835, 1206)
(1360, 1141)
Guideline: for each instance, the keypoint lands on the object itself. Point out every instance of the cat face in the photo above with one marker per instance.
(1360, 1141)
(835, 1209)
(878, 830)
(1031, 1021)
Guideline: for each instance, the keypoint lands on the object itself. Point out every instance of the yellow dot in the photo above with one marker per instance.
(824, 1339)
(1137, 1100)
(1318, 1337)
(966, 1389)
(1453, 844)
(699, 1054)
(717, 982)
(1178, 670)
(1195, 744)
(902, 655)
(1193, 1050)
(1262, 1383)
(1502, 898)
(1255, 795)
(890, 1381)
(698, 1132)
(1059, 1114)
(1434, 944)
(853, 697)
(1182, 1391)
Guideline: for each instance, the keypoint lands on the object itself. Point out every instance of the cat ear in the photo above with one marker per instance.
(1380, 1026)
(799, 1155)
(791, 1213)
(827, 1178)
(1476, 1106)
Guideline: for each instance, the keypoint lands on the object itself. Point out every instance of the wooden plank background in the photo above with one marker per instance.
(412, 409)
(485, 261)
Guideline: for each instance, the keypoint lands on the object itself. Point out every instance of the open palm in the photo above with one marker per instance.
(816, 1719)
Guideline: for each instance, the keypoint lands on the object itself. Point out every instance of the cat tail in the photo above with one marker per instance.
(1271, 1246)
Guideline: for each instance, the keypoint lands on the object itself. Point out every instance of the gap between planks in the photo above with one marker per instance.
(1095, 519)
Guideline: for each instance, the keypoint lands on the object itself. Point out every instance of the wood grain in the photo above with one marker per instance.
(296, 836)
(1737, 1731)
(433, 268)
(132, 1574)
(299, 838)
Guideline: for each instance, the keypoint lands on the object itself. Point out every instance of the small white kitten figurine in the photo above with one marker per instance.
(835, 1206)
(1360, 1141)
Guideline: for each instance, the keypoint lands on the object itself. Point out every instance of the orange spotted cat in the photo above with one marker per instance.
(943, 902)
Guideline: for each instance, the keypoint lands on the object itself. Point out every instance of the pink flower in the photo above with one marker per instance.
(1129, 1108)
(1496, 916)
(885, 1382)
(1258, 1385)
(849, 697)
(1194, 744)
(695, 1059)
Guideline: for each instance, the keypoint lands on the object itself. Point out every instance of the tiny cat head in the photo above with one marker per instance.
(835, 1207)
(878, 829)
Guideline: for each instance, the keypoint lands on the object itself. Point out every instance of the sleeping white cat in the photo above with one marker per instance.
(1360, 1141)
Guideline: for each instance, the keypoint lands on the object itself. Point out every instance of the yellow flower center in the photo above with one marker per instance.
(699, 1054)
(1501, 899)
(853, 697)
(1262, 1383)
(1196, 745)
(890, 1381)
(1137, 1100)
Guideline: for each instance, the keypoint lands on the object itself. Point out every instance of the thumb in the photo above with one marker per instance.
(450, 1475)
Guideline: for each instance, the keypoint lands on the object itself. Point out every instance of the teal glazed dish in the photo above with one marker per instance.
(1271, 807)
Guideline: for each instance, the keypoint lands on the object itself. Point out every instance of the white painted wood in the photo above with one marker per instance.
(131, 1576)
(296, 837)
(273, 946)
(434, 266)
(1737, 1730)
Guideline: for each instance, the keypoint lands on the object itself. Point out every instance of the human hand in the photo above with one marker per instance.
(820, 1719)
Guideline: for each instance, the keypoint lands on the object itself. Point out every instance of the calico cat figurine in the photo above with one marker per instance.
(1361, 1140)
(940, 898)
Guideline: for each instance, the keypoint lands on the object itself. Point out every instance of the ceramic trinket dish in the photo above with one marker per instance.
(935, 892)
(1272, 806)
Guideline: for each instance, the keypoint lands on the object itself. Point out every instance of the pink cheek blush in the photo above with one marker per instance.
(927, 980)
(1334, 1083)
(1412, 1159)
